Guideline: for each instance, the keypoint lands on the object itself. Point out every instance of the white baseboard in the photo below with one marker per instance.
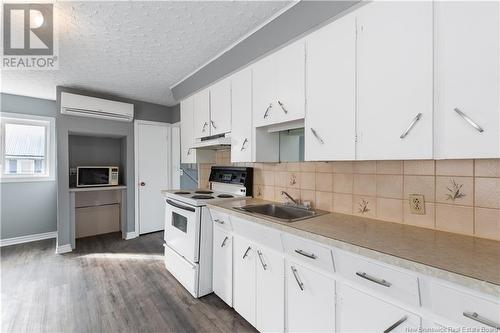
(28, 238)
(64, 249)
(131, 235)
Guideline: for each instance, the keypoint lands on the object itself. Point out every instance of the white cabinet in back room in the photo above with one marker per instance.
(241, 118)
(395, 80)
(220, 107)
(310, 300)
(279, 86)
(330, 124)
(223, 265)
(467, 35)
(201, 122)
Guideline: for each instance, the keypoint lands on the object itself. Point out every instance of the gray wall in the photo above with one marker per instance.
(27, 208)
(295, 22)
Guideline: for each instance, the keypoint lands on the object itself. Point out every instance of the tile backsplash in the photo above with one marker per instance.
(461, 196)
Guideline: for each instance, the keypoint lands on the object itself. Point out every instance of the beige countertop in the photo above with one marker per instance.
(469, 261)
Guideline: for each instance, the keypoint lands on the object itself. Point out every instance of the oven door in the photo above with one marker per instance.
(182, 229)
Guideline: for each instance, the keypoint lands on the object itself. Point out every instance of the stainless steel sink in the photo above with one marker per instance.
(284, 213)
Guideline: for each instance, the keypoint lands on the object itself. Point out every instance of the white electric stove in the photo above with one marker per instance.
(188, 226)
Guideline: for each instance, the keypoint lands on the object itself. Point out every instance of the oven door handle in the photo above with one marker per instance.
(172, 203)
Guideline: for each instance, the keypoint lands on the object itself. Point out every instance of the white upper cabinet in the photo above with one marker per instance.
(279, 86)
(188, 155)
(220, 107)
(202, 124)
(241, 123)
(331, 92)
(395, 80)
(467, 36)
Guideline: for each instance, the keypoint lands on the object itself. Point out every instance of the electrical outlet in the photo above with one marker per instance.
(417, 204)
(72, 171)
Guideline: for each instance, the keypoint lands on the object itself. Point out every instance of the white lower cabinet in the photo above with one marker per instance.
(244, 278)
(361, 312)
(223, 265)
(310, 300)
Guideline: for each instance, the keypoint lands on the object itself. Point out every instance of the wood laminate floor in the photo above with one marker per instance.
(105, 285)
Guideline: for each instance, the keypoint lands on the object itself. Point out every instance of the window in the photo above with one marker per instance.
(27, 147)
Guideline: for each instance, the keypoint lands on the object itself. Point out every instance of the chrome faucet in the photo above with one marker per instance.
(291, 198)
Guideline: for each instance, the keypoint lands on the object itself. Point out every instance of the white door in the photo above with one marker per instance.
(360, 312)
(310, 300)
(223, 265)
(220, 107)
(270, 291)
(202, 114)
(188, 155)
(244, 278)
(263, 90)
(330, 125)
(467, 79)
(152, 174)
(290, 62)
(241, 119)
(395, 80)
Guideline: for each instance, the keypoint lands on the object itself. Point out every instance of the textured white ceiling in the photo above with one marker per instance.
(139, 49)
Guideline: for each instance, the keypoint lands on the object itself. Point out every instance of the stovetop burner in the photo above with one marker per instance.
(200, 196)
(225, 196)
(203, 192)
(182, 192)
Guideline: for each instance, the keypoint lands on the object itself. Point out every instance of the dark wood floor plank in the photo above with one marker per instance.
(105, 285)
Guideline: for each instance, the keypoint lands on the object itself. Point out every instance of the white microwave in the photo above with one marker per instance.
(87, 176)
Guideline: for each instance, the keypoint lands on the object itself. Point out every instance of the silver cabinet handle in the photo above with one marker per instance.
(213, 124)
(189, 151)
(264, 265)
(224, 241)
(204, 127)
(412, 124)
(317, 136)
(305, 254)
(219, 221)
(297, 278)
(282, 107)
(482, 320)
(396, 324)
(246, 252)
(268, 109)
(470, 121)
(373, 279)
(243, 144)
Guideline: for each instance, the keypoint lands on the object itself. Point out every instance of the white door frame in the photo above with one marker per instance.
(136, 164)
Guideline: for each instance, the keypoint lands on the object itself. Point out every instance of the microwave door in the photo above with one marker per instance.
(93, 176)
(182, 229)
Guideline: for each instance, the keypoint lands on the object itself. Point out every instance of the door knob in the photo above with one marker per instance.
(142, 184)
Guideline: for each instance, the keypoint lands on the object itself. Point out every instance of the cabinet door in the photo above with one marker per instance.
(467, 79)
(202, 114)
(188, 155)
(330, 125)
(289, 102)
(310, 300)
(241, 119)
(395, 80)
(360, 312)
(223, 265)
(263, 90)
(270, 291)
(220, 107)
(244, 278)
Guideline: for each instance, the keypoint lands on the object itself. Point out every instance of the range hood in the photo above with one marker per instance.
(216, 142)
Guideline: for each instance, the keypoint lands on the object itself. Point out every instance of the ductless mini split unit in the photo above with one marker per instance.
(85, 106)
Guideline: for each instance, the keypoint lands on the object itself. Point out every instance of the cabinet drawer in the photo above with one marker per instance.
(390, 282)
(458, 307)
(221, 219)
(308, 252)
(259, 234)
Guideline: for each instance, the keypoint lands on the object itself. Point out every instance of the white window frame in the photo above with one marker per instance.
(50, 146)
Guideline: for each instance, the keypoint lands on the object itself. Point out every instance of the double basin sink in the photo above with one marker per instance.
(282, 212)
